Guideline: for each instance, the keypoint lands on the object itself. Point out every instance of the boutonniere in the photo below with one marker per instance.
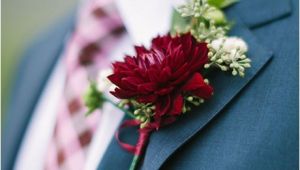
(167, 80)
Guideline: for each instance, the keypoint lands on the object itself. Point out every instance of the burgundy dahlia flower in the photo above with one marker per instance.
(163, 74)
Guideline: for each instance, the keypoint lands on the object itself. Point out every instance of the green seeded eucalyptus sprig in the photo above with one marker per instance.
(195, 8)
(143, 112)
(206, 31)
(207, 23)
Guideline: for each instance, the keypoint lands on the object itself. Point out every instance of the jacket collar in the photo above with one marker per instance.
(256, 13)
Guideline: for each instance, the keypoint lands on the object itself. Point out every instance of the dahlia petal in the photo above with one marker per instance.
(162, 106)
(130, 83)
(147, 98)
(188, 42)
(198, 87)
(141, 63)
(183, 77)
(193, 83)
(140, 50)
(129, 60)
(176, 58)
(204, 92)
(153, 74)
(122, 94)
(140, 73)
(115, 79)
(168, 67)
(177, 105)
(180, 71)
(161, 42)
(158, 56)
(147, 87)
(132, 80)
(164, 91)
(119, 65)
(200, 56)
(165, 74)
(127, 73)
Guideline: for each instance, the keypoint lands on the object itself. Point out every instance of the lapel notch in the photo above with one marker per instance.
(256, 13)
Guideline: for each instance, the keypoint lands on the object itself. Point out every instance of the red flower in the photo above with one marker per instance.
(164, 74)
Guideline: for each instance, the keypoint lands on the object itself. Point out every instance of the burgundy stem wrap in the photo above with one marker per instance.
(144, 134)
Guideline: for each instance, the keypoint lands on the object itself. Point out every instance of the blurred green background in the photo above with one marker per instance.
(22, 20)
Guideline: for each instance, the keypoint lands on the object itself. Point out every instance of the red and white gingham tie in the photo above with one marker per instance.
(97, 30)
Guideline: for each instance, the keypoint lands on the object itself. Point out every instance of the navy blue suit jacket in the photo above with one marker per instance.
(251, 123)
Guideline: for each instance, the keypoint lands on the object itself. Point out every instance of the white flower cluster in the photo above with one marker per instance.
(228, 53)
(207, 22)
(195, 8)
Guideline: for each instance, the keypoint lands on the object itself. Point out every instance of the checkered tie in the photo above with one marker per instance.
(97, 30)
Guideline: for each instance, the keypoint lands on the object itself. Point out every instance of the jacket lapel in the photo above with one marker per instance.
(34, 70)
(167, 140)
(115, 157)
(163, 143)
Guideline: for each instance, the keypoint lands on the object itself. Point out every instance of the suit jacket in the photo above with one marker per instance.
(250, 123)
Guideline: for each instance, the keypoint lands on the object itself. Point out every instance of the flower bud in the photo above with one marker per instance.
(234, 72)
(206, 81)
(93, 98)
(137, 111)
(190, 98)
(206, 65)
(216, 15)
(148, 110)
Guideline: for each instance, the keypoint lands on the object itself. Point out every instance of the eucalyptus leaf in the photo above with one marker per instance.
(179, 23)
(222, 3)
(227, 3)
(217, 15)
(216, 3)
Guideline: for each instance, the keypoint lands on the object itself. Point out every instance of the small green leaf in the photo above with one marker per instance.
(179, 23)
(221, 3)
(93, 98)
(216, 3)
(227, 3)
(216, 15)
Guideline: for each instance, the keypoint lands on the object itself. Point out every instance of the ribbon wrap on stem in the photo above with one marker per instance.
(144, 134)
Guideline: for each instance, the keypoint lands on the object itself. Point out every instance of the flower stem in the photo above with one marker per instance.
(134, 162)
(117, 106)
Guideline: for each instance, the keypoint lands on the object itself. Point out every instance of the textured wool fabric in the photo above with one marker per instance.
(246, 125)
(250, 123)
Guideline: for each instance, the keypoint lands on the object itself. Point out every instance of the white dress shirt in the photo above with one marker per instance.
(154, 17)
